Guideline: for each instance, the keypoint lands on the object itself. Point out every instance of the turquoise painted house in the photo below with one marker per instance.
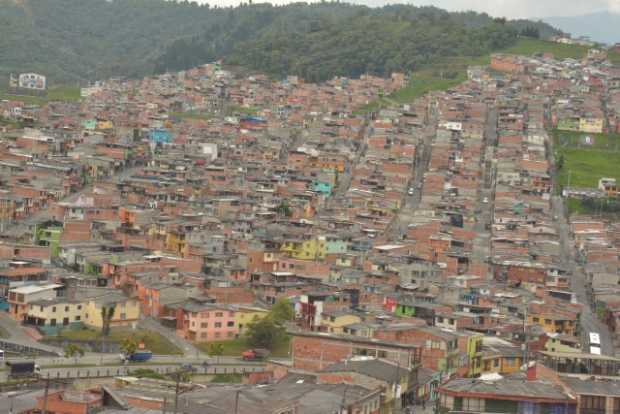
(90, 124)
(335, 245)
(160, 136)
(321, 187)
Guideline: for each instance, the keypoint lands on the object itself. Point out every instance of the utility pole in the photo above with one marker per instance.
(237, 392)
(525, 353)
(45, 394)
(397, 384)
(343, 403)
(178, 376)
(176, 393)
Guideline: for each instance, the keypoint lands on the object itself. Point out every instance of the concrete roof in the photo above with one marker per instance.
(591, 386)
(516, 389)
(371, 367)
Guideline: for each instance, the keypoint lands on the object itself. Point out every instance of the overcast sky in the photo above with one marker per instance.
(507, 8)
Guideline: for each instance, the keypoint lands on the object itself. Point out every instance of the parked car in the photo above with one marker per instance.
(255, 354)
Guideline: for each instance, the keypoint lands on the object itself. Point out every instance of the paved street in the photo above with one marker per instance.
(588, 322)
(486, 192)
(578, 284)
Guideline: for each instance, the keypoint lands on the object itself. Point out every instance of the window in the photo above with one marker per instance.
(536, 320)
(591, 403)
(41, 308)
(53, 308)
(473, 404)
(78, 318)
(496, 362)
(230, 323)
(219, 314)
(66, 308)
(79, 307)
(203, 335)
(217, 334)
(123, 316)
(204, 325)
(53, 322)
(218, 324)
(230, 334)
(547, 321)
(447, 402)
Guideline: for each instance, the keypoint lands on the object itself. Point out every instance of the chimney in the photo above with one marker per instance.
(531, 371)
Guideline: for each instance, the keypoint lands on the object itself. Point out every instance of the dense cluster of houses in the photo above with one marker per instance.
(420, 246)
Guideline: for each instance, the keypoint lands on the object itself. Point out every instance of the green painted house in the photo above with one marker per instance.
(48, 234)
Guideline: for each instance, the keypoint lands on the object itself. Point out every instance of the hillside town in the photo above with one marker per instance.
(424, 252)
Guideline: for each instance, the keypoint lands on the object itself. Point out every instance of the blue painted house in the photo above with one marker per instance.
(160, 136)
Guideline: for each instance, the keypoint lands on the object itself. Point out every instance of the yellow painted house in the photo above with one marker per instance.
(334, 322)
(500, 357)
(562, 343)
(244, 315)
(310, 248)
(175, 242)
(126, 310)
(591, 125)
(52, 315)
(554, 322)
(102, 125)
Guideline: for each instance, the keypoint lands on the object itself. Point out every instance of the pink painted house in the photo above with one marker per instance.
(206, 322)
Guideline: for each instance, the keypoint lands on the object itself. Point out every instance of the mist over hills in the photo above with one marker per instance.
(603, 27)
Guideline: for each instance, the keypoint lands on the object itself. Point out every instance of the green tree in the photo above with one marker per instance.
(107, 313)
(129, 346)
(560, 163)
(73, 351)
(282, 311)
(216, 349)
(284, 209)
(264, 333)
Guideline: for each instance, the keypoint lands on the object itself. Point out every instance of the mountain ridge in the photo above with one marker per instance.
(80, 40)
(603, 27)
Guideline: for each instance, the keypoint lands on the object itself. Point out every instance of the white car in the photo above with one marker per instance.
(485, 200)
(410, 191)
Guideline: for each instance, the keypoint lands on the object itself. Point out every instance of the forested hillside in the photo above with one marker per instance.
(77, 40)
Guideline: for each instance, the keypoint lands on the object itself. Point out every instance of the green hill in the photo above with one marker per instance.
(77, 40)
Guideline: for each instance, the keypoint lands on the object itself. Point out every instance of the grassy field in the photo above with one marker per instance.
(152, 340)
(585, 167)
(236, 346)
(560, 51)
(191, 115)
(614, 57)
(243, 110)
(574, 140)
(56, 93)
(586, 164)
(450, 72)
